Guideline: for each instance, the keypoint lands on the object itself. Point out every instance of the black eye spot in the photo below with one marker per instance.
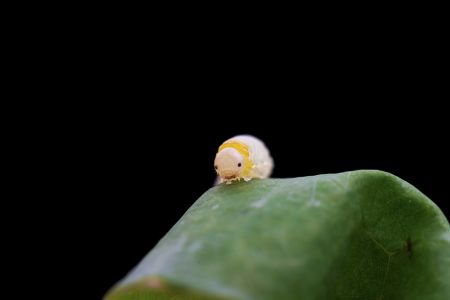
(239, 164)
(215, 167)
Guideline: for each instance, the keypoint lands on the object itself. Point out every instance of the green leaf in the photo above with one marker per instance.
(355, 235)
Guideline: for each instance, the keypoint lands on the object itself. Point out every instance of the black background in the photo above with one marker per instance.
(142, 103)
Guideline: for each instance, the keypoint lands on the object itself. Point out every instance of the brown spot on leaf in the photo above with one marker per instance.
(408, 247)
(154, 283)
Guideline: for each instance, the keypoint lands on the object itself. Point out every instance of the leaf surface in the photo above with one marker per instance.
(354, 235)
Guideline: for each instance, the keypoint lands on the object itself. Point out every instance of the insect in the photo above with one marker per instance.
(243, 156)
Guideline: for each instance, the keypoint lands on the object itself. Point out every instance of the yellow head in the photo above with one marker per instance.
(229, 164)
(233, 161)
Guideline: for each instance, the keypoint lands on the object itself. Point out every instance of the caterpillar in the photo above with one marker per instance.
(242, 157)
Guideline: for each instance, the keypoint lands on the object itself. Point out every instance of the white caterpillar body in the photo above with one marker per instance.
(243, 156)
